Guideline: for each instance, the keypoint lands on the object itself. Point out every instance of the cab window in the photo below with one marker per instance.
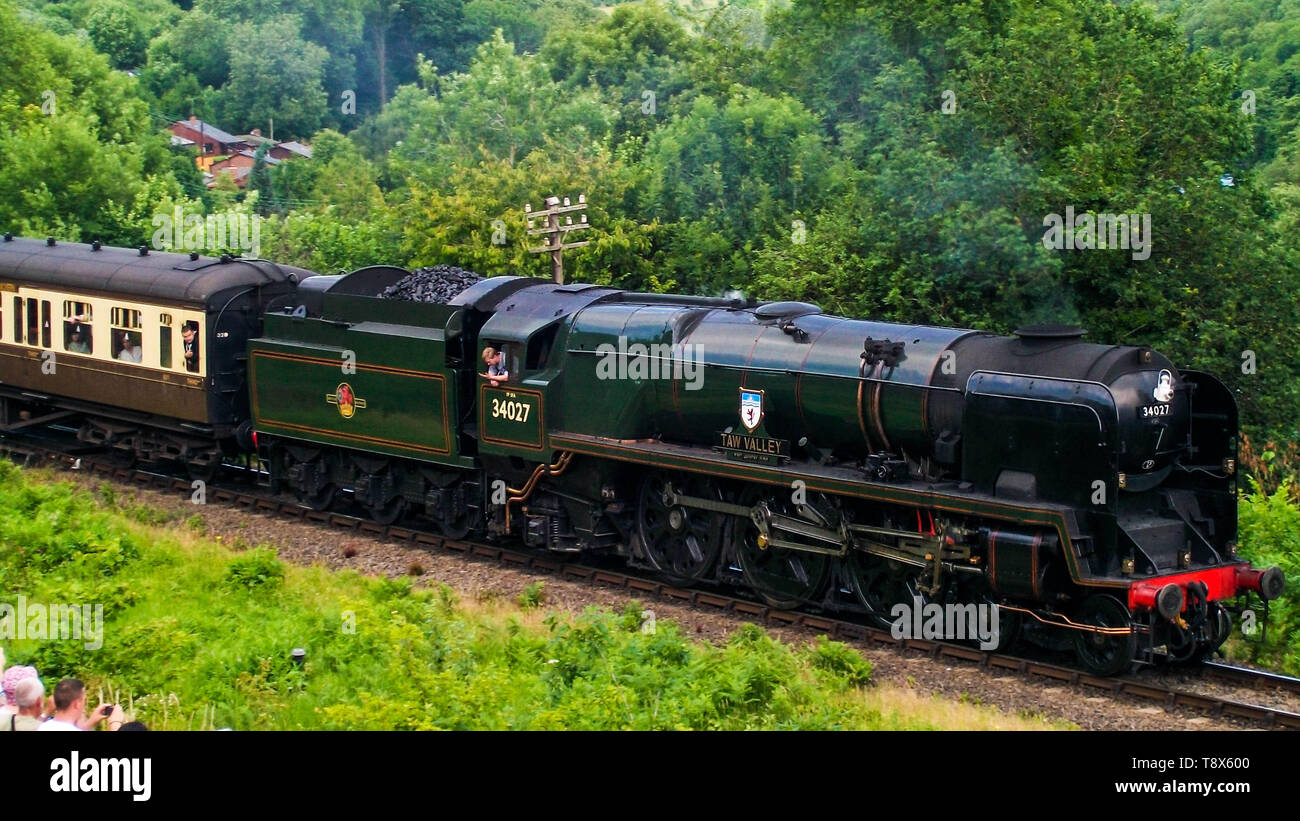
(539, 348)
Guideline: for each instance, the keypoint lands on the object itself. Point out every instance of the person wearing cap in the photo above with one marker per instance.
(9, 683)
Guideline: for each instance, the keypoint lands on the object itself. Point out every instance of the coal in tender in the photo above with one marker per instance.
(438, 284)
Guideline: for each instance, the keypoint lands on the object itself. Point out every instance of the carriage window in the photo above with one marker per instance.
(45, 324)
(76, 327)
(18, 319)
(33, 321)
(165, 346)
(126, 335)
(128, 318)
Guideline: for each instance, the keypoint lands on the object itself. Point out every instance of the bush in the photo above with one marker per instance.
(1269, 534)
(534, 595)
(255, 568)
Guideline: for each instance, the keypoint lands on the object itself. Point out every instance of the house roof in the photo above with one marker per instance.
(208, 129)
(297, 148)
(238, 173)
(222, 163)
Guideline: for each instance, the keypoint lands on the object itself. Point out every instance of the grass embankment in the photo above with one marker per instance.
(199, 635)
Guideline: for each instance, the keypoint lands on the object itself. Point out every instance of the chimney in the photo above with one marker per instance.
(256, 132)
(193, 119)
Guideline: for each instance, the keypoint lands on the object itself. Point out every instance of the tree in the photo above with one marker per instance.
(116, 31)
(639, 60)
(81, 159)
(274, 75)
(743, 169)
(477, 220)
(502, 108)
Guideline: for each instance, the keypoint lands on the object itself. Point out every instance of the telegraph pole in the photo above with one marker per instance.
(555, 232)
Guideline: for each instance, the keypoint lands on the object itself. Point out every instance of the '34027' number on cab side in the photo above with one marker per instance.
(510, 409)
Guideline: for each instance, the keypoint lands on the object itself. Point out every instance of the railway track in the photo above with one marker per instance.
(257, 500)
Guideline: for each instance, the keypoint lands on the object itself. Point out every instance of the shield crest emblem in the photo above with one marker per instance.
(751, 408)
(346, 400)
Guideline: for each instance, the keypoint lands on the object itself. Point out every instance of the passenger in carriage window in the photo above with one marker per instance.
(77, 337)
(190, 335)
(130, 348)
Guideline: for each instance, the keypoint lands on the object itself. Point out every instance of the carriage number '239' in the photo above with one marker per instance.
(508, 409)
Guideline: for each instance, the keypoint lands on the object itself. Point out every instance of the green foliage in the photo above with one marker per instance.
(274, 74)
(80, 160)
(841, 662)
(1269, 535)
(256, 568)
(502, 108)
(193, 638)
(116, 31)
(533, 595)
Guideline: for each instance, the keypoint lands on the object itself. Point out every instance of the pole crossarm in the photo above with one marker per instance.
(555, 232)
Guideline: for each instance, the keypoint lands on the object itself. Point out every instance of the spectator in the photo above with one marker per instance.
(9, 685)
(30, 696)
(70, 709)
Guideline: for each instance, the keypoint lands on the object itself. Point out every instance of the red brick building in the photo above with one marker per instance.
(210, 140)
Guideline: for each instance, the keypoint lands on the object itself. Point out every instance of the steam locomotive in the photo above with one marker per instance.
(1088, 491)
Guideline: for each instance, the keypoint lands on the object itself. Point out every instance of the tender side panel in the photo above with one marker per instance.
(303, 392)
